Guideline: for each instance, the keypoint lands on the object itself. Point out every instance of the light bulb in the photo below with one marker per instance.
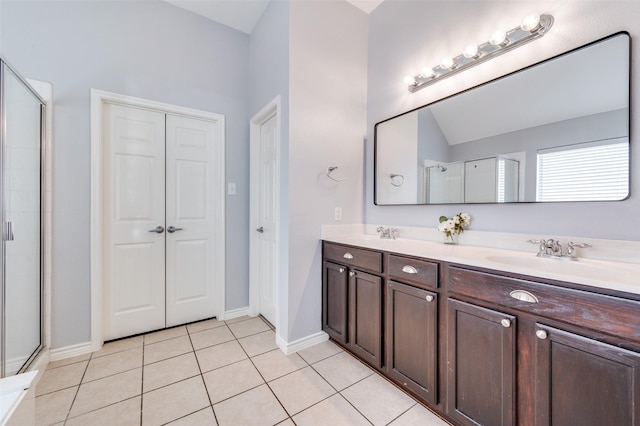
(470, 51)
(498, 37)
(428, 72)
(447, 63)
(409, 80)
(530, 22)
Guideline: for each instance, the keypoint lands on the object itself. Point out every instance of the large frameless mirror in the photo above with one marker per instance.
(555, 131)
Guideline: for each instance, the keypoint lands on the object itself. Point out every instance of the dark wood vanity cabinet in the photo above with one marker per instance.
(352, 298)
(481, 355)
(576, 351)
(482, 347)
(365, 316)
(335, 306)
(583, 381)
(412, 339)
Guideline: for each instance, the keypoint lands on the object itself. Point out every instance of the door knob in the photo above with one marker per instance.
(158, 229)
(260, 230)
(173, 229)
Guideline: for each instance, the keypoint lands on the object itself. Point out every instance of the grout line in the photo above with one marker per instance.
(77, 391)
(142, 384)
(206, 389)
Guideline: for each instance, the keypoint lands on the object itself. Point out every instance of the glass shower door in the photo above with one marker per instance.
(21, 166)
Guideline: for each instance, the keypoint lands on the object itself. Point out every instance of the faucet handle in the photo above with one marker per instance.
(541, 246)
(394, 232)
(579, 245)
(571, 248)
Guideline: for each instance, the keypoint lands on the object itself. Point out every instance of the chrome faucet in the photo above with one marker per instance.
(553, 249)
(388, 233)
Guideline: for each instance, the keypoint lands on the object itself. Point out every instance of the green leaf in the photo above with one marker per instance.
(443, 219)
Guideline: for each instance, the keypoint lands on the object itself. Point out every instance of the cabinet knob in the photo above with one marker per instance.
(506, 323)
(352, 274)
(429, 298)
(341, 270)
(409, 269)
(347, 255)
(541, 334)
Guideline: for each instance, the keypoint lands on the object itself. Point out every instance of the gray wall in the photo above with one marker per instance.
(327, 85)
(405, 36)
(147, 49)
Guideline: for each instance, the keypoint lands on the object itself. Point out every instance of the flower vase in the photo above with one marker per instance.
(452, 238)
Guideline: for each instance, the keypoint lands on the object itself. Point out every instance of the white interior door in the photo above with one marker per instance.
(267, 231)
(134, 200)
(193, 187)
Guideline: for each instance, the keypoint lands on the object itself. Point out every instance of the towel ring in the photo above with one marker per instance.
(393, 182)
(330, 170)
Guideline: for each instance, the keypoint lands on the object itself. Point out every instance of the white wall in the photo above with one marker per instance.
(147, 49)
(328, 61)
(405, 36)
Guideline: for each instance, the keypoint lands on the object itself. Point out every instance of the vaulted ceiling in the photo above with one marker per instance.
(244, 14)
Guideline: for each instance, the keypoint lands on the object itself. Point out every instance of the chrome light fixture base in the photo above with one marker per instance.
(514, 38)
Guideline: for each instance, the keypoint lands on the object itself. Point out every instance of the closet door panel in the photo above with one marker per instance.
(192, 189)
(134, 204)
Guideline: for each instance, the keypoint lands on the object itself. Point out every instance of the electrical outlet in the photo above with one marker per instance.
(337, 213)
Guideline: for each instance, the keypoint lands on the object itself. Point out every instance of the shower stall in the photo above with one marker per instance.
(22, 113)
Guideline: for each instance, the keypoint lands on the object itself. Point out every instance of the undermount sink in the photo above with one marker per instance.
(593, 269)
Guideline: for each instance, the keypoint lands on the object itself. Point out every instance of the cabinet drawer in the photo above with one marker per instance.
(419, 272)
(358, 258)
(608, 314)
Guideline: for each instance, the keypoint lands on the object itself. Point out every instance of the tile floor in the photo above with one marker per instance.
(220, 373)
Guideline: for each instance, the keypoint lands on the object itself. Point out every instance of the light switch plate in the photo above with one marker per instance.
(337, 213)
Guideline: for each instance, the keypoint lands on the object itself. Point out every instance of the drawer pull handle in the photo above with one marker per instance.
(541, 334)
(409, 269)
(505, 323)
(429, 298)
(348, 255)
(352, 274)
(341, 270)
(524, 296)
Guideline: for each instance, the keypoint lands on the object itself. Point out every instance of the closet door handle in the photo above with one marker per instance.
(158, 229)
(173, 229)
(8, 236)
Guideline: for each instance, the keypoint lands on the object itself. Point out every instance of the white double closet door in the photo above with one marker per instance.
(159, 217)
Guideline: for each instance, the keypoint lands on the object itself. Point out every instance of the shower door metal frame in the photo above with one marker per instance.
(3, 154)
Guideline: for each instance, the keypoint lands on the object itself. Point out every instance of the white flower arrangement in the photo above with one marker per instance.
(455, 225)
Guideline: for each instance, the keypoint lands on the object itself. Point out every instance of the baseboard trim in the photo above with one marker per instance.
(235, 313)
(70, 351)
(300, 344)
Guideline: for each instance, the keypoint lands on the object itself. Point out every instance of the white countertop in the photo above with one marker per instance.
(607, 274)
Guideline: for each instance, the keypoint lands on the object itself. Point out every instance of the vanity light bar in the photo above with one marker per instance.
(531, 28)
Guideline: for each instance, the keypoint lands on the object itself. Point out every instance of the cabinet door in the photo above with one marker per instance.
(481, 356)
(581, 381)
(412, 339)
(334, 301)
(365, 316)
